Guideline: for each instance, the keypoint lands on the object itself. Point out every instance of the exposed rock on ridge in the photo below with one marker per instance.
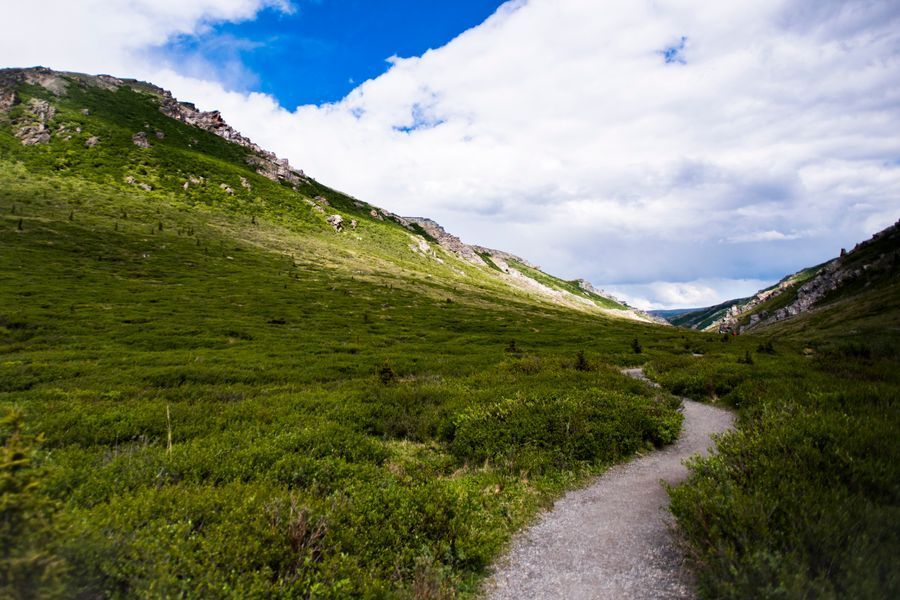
(809, 291)
(449, 242)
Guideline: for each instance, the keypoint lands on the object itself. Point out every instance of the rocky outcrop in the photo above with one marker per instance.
(139, 184)
(839, 272)
(8, 99)
(266, 163)
(34, 127)
(734, 315)
(809, 287)
(499, 255)
(336, 221)
(140, 139)
(447, 241)
(91, 141)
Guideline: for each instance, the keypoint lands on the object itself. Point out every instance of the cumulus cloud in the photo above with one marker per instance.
(634, 143)
(688, 294)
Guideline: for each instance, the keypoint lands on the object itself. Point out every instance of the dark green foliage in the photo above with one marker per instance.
(28, 566)
(387, 375)
(747, 359)
(636, 346)
(802, 500)
(581, 363)
(766, 348)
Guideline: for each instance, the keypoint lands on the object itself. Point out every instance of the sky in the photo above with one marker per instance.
(675, 153)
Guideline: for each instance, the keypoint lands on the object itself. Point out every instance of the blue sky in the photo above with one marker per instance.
(323, 49)
(675, 152)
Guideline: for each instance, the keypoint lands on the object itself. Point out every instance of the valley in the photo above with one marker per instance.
(210, 387)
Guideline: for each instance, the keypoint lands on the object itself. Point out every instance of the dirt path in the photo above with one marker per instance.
(611, 539)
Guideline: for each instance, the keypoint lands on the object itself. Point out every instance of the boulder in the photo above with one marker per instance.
(336, 221)
(140, 139)
(91, 141)
(8, 99)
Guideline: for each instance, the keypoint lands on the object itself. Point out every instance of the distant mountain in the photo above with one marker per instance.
(867, 271)
(670, 313)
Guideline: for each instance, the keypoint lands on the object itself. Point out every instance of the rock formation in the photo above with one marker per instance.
(336, 221)
(140, 139)
(449, 242)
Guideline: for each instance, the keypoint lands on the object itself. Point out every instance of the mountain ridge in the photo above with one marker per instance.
(803, 291)
(37, 125)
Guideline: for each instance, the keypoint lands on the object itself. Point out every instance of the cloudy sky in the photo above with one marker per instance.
(677, 153)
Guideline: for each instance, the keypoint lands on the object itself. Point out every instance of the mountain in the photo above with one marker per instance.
(844, 284)
(136, 134)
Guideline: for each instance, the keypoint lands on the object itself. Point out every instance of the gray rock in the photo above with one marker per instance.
(91, 141)
(8, 99)
(336, 221)
(140, 139)
(446, 240)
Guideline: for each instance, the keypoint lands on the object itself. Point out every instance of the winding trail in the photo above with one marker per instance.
(613, 538)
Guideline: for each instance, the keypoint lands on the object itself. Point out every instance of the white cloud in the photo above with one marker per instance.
(110, 36)
(770, 235)
(557, 130)
(688, 294)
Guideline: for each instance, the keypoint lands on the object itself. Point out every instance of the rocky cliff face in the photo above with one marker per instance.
(848, 268)
(448, 241)
(805, 290)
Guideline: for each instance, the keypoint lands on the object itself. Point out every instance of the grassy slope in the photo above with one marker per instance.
(568, 286)
(705, 316)
(346, 416)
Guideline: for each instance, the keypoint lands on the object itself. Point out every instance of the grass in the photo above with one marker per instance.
(293, 468)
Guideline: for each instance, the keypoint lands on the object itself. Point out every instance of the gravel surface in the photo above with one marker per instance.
(613, 538)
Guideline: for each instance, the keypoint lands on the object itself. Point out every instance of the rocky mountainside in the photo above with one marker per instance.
(868, 265)
(122, 131)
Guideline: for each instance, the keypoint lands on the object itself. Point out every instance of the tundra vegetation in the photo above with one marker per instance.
(211, 393)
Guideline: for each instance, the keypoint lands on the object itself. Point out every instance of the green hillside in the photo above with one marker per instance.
(704, 317)
(213, 393)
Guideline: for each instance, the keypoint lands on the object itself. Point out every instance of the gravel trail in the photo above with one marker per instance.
(611, 539)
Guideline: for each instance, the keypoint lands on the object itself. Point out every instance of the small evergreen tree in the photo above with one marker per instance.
(581, 363)
(386, 374)
(636, 346)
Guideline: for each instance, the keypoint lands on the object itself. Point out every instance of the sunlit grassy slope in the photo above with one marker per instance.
(237, 400)
(217, 395)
